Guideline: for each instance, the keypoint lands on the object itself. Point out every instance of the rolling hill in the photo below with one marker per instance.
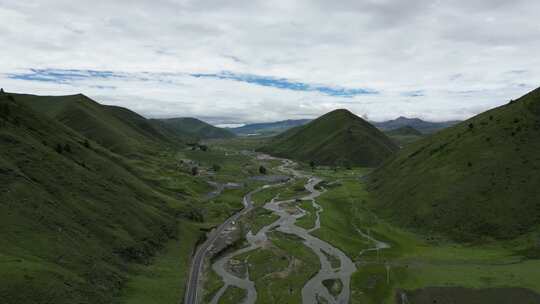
(336, 138)
(423, 126)
(478, 179)
(404, 135)
(72, 218)
(269, 128)
(117, 129)
(187, 127)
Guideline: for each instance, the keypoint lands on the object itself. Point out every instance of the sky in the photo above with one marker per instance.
(236, 61)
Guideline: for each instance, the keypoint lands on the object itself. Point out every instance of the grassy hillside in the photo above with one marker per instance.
(338, 137)
(477, 179)
(72, 219)
(194, 128)
(117, 129)
(404, 135)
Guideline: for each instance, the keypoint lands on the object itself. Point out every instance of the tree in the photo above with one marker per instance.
(203, 148)
(262, 170)
(67, 148)
(59, 148)
(195, 171)
(86, 143)
(2, 91)
(216, 167)
(312, 164)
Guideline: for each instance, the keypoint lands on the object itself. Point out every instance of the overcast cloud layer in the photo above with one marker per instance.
(253, 61)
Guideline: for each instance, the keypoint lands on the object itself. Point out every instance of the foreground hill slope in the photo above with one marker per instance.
(117, 129)
(478, 178)
(336, 138)
(188, 127)
(71, 218)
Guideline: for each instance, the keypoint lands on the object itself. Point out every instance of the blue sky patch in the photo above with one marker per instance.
(283, 83)
(62, 76)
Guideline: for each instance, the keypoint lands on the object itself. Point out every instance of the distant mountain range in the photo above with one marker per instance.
(336, 138)
(423, 126)
(273, 128)
(270, 128)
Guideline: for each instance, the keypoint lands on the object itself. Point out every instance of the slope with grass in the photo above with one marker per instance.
(117, 129)
(404, 135)
(336, 138)
(477, 179)
(194, 128)
(72, 219)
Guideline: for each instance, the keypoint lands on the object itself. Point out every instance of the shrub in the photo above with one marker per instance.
(262, 170)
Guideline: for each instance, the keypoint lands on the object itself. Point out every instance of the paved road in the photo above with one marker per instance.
(192, 289)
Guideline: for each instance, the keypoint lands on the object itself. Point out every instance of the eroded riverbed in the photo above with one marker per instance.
(334, 264)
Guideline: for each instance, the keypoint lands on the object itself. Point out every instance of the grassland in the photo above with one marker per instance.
(162, 281)
(232, 295)
(308, 220)
(281, 270)
(212, 284)
(414, 261)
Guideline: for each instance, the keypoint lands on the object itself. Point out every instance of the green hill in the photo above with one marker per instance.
(476, 179)
(72, 219)
(406, 130)
(338, 137)
(117, 129)
(193, 128)
(404, 135)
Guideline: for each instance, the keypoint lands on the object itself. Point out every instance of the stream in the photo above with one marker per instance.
(313, 291)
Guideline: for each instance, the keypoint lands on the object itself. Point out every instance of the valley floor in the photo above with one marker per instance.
(389, 264)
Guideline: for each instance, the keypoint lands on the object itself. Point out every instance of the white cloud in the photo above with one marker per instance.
(460, 57)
